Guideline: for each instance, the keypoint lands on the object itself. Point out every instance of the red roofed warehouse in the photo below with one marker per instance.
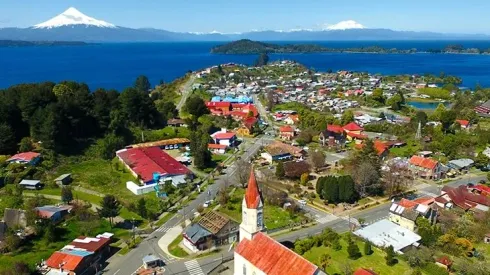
(425, 167)
(32, 158)
(152, 165)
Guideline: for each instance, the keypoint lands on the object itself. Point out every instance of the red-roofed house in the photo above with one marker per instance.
(354, 131)
(286, 132)
(380, 146)
(363, 271)
(334, 134)
(258, 253)
(66, 262)
(292, 119)
(32, 158)
(224, 138)
(217, 148)
(484, 190)
(465, 199)
(152, 165)
(465, 124)
(425, 167)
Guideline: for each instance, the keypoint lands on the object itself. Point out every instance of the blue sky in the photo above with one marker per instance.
(243, 15)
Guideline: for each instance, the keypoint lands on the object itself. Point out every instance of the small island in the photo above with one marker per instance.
(20, 43)
(246, 46)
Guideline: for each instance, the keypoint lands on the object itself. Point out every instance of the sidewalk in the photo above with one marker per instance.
(166, 239)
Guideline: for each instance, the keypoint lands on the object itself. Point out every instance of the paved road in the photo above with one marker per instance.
(186, 91)
(126, 265)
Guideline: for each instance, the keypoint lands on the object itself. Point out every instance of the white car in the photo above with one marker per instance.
(302, 202)
(207, 204)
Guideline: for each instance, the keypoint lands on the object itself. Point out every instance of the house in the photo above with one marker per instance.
(425, 167)
(353, 128)
(281, 151)
(461, 164)
(31, 158)
(217, 148)
(152, 165)
(54, 213)
(14, 218)
(31, 184)
(334, 134)
(380, 146)
(258, 253)
(406, 212)
(385, 233)
(83, 255)
(247, 128)
(292, 119)
(465, 124)
(176, 122)
(64, 179)
(465, 199)
(286, 132)
(363, 271)
(224, 138)
(213, 229)
(486, 152)
(166, 144)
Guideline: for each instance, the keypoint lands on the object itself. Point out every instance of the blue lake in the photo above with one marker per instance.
(117, 65)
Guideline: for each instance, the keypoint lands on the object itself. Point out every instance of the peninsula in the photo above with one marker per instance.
(246, 46)
(21, 43)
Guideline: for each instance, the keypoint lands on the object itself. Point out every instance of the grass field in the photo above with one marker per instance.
(274, 216)
(375, 261)
(175, 249)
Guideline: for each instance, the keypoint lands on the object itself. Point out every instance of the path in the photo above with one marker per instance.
(186, 90)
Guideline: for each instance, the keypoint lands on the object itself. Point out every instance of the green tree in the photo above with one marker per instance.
(7, 139)
(421, 117)
(262, 60)
(142, 84)
(25, 145)
(62, 89)
(304, 178)
(481, 160)
(447, 119)
(280, 173)
(110, 208)
(324, 261)
(66, 194)
(141, 207)
(50, 233)
(347, 117)
(438, 112)
(378, 96)
(428, 232)
(368, 250)
(396, 102)
(390, 256)
(12, 242)
(196, 106)
(107, 146)
(353, 249)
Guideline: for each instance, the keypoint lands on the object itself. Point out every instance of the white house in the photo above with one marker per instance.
(224, 138)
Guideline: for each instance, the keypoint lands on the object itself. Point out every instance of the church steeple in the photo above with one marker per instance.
(252, 210)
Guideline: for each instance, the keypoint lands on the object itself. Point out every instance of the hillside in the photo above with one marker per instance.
(246, 46)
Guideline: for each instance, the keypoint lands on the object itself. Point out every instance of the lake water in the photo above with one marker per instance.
(425, 105)
(117, 65)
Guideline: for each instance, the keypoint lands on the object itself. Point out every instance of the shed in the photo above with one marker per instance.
(150, 261)
(64, 179)
(31, 184)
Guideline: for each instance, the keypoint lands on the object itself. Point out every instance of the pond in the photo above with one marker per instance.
(429, 105)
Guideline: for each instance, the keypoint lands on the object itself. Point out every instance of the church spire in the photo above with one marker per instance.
(252, 195)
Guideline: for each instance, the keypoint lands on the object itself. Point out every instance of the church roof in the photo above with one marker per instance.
(273, 258)
(252, 195)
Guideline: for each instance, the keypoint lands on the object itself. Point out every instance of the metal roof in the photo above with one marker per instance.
(385, 233)
(30, 182)
(195, 232)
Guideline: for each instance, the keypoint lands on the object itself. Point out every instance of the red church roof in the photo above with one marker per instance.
(252, 195)
(273, 258)
(146, 161)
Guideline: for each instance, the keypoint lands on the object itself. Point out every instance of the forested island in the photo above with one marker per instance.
(20, 43)
(246, 46)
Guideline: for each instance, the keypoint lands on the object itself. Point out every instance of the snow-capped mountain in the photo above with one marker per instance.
(345, 25)
(73, 17)
(73, 25)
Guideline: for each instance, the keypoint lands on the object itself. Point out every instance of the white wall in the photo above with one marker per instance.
(140, 190)
(249, 268)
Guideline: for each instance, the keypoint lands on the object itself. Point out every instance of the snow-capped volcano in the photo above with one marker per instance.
(345, 25)
(72, 17)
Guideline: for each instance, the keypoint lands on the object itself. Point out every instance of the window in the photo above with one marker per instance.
(244, 269)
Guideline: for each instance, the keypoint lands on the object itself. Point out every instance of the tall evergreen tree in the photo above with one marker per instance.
(142, 84)
(66, 194)
(110, 208)
(390, 256)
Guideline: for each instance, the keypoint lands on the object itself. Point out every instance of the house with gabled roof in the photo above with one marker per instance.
(405, 212)
(426, 167)
(31, 158)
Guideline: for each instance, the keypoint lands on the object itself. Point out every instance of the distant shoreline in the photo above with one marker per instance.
(21, 43)
(246, 46)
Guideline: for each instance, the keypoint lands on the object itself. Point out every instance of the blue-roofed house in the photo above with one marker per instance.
(216, 99)
(54, 213)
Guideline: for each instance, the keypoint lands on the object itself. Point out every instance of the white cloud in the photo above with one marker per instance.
(343, 25)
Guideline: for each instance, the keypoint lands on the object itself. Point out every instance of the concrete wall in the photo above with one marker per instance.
(140, 190)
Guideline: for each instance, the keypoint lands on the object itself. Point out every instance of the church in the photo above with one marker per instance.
(259, 254)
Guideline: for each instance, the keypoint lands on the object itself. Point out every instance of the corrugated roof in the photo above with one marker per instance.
(88, 243)
(26, 156)
(160, 143)
(146, 161)
(427, 163)
(273, 258)
(216, 146)
(221, 135)
(195, 232)
(70, 262)
(335, 128)
(352, 127)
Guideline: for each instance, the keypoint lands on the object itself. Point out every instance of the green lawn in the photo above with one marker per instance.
(163, 220)
(175, 249)
(274, 216)
(375, 261)
(408, 150)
